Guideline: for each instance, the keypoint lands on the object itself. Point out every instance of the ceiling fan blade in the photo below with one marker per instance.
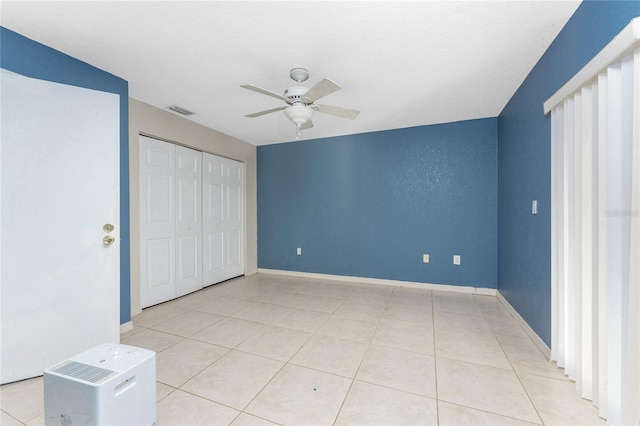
(265, 92)
(321, 89)
(258, 114)
(351, 114)
(307, 125)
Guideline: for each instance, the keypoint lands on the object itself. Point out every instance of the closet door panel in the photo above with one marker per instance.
(189, 220)
(188, 265)
(213, 257)
(233, 225)
(160, 266)
(214, 212)
(223, 218)
(233, 251)
(157, 221)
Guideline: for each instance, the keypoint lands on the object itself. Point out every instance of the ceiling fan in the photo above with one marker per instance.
(301, 100)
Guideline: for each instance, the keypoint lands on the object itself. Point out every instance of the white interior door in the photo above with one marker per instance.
(59, 282)
(157, 221)
(223, 248)
(188, 220)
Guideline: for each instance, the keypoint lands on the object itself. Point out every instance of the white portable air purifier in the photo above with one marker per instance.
(110, 384)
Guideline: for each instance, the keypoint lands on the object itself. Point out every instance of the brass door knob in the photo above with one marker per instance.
(108, 228)
(108, 240)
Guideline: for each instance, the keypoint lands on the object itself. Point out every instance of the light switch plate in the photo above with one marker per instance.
(534, 207)
(299, 251)
(456, 259)
(425, 258)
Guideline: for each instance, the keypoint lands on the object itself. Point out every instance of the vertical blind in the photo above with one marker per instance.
(595, 229)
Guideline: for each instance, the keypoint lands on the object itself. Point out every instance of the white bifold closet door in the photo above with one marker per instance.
(191, 220)
(170, 221)
(223, 219)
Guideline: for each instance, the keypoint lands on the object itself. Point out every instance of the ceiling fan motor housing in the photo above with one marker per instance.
(296, 93)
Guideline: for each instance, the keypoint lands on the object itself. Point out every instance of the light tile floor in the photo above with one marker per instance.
(265, 349)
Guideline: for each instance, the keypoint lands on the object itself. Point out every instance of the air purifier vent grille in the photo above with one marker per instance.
(81, 371)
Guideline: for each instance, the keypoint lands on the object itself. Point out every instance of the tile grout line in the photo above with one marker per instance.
(485, 317)
(493, 414)
(435, 358)
(360, 363)
(513, 368)
(285, 363)
(229, 350)
(240, 411)
(17, 419)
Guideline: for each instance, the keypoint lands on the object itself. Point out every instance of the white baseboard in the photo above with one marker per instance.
(380, 281)
(127, 326)
(532, 334)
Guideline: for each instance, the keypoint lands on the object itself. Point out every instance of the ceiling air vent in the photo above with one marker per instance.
(180, 110)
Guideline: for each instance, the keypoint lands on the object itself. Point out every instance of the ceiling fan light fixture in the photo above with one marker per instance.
(299, 114)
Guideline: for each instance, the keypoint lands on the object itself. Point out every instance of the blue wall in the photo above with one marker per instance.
(370, 205)
(27, 57)
(524, 152)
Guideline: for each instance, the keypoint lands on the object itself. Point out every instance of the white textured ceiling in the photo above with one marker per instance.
(401, 64)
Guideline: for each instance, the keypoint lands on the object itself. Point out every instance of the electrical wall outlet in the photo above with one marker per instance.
(456, 259)
(425, 258)
(299, 251)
